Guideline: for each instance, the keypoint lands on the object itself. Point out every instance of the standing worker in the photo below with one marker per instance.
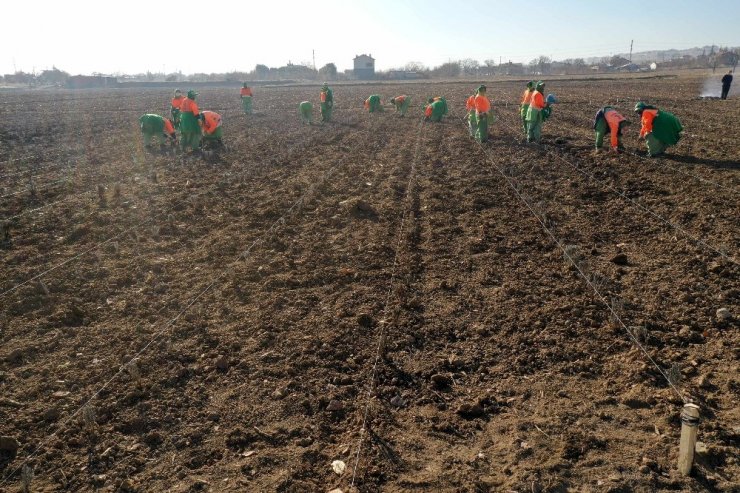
(175, 107)
(401, 103)
(372, 104)
(189, 127)
(435, 109)
(482, 114)
(526, 98)
(535, 117)
(306, 111)
(157, 126)
(212, 129)
(660, 129)
(470, 108)
(246, 94)
(608, 119)
(726, 83)
(327, 102)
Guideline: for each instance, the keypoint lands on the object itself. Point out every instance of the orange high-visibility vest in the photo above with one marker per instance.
(168, 127)
(400, 99)
(470, 103)
(323, 96)
(482, 104)
(211, 121)
(647, 121)
(428, 111)
(527, 96)
(613, 119)
(177, 102)
(538, 101)
(189, 106)
(246, 91)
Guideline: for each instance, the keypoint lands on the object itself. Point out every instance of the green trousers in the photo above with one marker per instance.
(472, 123)
(481, 131)
(374, 104)
(217, 135)
(247, 104)
(403, 107)
(306, 111)
(523, 115)
(534, 125)
(655, 146)
(326, 111)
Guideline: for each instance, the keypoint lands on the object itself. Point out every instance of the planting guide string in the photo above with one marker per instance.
(302, 145)
(649, 211)
(384, 321)
(262, 239)
(598, 294)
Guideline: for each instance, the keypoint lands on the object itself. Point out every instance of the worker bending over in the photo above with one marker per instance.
(401, 103)
(609, 120)
(660, 129)
(306, 111)
(435, 109)
(157, 126)
(212, 129)
(372, 104)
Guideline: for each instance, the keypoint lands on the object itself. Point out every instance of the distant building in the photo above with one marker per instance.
(91, 82)
(405, 75)
(364, 67)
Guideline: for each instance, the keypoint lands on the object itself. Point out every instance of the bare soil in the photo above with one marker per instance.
(223, 317)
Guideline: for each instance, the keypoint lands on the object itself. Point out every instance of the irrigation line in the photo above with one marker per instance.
(266, 235)
(598, 294)
(657, 216)
(108, 240)
(243, 256)
(384, 326)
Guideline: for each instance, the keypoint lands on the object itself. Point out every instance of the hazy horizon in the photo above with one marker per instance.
(81, 38)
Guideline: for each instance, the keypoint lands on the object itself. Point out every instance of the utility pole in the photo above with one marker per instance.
(313, 52)
(631, 43)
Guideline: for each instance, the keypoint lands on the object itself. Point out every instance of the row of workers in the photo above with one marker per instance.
(196, 127)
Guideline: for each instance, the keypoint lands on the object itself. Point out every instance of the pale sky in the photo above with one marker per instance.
(134, 36)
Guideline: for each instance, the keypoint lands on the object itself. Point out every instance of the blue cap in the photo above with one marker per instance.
(551, 98)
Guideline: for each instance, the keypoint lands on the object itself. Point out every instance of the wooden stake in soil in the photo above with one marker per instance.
(689, 428)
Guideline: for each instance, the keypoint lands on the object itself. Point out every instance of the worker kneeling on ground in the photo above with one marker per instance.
(660, 129)
(306, 111)
(482, 114)
(246, 95)
(157, 126)
(327, 102)
(608, 119)
(189, 124)
(372, 104)
(435, 109)
(401, 103)
(212, 131)
(175, 108)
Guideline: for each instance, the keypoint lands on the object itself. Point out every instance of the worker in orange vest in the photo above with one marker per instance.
(246, 94)
(660, 129)
(608, 119)
(482, 114)
(327, 102)
(175, 107)
(189, 125)
(470, 108)
(401, 103)
(157, 126)
(212, 129)
(526, 98)
(535, 117)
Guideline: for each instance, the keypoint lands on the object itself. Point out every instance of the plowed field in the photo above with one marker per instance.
(377, 290)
